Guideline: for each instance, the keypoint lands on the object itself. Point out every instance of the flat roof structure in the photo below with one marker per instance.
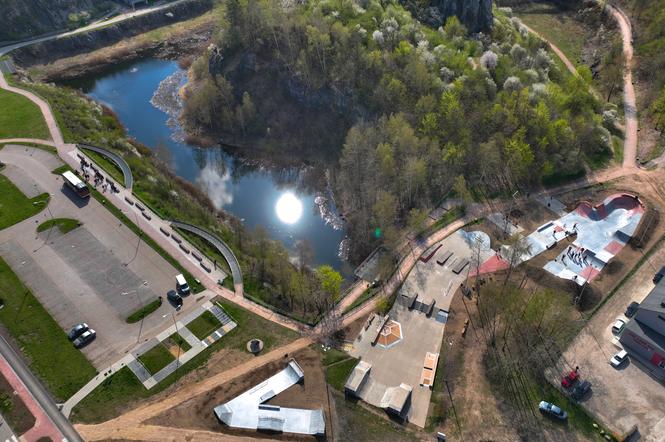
(357, 377)
(248, 412)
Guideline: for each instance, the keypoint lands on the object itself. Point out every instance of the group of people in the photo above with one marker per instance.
(90, 172)
(575, 255)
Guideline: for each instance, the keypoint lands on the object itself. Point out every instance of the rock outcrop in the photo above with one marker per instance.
(24, 18)
(476, 15)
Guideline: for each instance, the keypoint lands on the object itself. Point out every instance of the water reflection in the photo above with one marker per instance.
(247, 190)
(288, 208)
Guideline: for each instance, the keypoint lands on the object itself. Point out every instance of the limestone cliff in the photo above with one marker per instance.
(20, 19)
(476, 15)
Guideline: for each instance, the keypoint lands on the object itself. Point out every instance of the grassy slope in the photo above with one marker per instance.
(14, 206)
(559, 28)
(50, 355)
(20, 117)
(120, 392)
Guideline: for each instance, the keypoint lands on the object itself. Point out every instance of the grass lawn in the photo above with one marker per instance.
(358, 423)
(204, 325)
(144, 311)
(63, 224)
(365, 296)
(156, 358)
(14, 206)
(176, 340)
(20, 117)
(557, 26)
(338, 373)
(331, 356)
(119, 392)
(50, 355)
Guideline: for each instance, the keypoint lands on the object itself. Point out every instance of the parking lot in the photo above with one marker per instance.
(626, 397)
(98, 273)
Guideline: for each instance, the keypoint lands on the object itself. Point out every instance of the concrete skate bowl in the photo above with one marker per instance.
(630, 203)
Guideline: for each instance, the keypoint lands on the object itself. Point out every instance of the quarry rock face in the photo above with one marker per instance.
(476, 15)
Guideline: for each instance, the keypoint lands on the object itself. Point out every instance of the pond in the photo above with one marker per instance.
(276, 200)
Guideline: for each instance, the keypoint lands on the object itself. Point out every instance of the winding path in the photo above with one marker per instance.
(630, 106)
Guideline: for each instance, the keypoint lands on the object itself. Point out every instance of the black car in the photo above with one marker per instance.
(631, 309)
(658, 276)
(77, 330)
(581, 390)
(86, 337)
(174, 298)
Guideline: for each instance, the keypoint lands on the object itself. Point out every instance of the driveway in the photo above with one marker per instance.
(627, 397)
(98, 273)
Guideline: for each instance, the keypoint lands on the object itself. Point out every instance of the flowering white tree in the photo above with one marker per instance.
(512, 84)
(489, 60)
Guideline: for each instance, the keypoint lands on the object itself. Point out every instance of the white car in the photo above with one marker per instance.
(618, 326)
(619, 359)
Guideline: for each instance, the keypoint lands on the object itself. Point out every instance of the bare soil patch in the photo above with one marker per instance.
(197, 413)
(13, 409)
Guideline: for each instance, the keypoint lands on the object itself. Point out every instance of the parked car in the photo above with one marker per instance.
(552, 410)
(631, 309)
(86, 337)
(619, 358)
(174, 298)
(570, 379)
(581, 390)
(618, 326)
(181, 285)
(659, 275)
(77, 330)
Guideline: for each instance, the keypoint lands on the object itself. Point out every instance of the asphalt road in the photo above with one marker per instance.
(38, 392)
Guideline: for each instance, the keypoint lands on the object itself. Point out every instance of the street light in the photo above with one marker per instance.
(177, 365)
(48, 235)
(138, 298)
(138, 243)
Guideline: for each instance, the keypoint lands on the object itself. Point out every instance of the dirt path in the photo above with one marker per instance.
(129, 425)
(569, 64)
(630, 106)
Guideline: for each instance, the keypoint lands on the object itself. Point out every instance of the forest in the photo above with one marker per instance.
(425, 111)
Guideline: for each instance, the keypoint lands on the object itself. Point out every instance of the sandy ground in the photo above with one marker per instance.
(482, 414)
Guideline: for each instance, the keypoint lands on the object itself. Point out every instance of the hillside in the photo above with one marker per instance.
(21, 18)
(408, 111)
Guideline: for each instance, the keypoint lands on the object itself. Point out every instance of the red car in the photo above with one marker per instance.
(570, 379)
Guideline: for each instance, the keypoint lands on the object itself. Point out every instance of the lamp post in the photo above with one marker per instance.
(48, 235)
(138, 298)
(138, 243)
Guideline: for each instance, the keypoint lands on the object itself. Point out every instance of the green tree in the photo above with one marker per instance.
(330, 280)
(658, 110)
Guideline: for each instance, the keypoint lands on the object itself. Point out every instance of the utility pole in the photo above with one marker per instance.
(459, 428)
